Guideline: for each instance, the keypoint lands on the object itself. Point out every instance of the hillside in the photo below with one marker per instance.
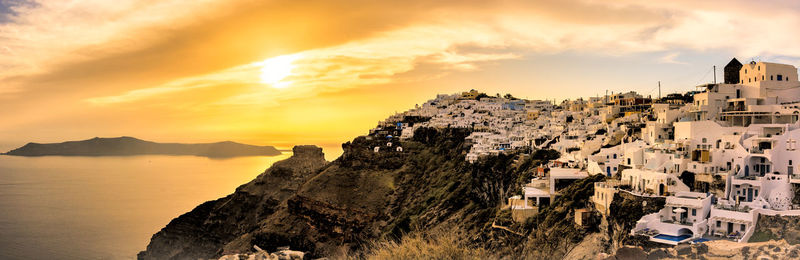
(122, 146)
(341, 205)
(365, 197)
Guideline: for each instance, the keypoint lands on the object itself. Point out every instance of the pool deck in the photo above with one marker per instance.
(669, 241)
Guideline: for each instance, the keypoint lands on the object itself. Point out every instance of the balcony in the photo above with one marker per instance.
(676, 222)
(743, 209)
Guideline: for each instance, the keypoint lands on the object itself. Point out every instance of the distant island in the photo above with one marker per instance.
(123, 146)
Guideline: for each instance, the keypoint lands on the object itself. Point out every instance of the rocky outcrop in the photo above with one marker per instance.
(625, 210)
(777, 228)
(204, 231)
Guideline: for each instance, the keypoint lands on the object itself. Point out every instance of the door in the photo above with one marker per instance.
(749, 194)
(730, 227)
(685, 215)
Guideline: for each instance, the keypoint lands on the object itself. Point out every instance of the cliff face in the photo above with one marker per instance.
(777, 228)
(364, 196)
(321, 208)
(202, 232)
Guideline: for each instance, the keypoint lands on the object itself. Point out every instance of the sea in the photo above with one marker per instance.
(71, 207)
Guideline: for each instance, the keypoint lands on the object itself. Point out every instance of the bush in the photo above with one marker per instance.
(546, 155)
(761, 236)
(437, 244)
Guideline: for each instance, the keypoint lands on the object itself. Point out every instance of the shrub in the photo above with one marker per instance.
(439, 243)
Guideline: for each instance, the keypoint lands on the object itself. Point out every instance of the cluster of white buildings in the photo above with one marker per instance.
(721, 160)
(720, 156)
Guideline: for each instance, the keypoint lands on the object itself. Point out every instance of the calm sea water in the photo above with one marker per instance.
(106, 207)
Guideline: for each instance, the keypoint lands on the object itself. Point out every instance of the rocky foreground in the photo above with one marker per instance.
(713, 250)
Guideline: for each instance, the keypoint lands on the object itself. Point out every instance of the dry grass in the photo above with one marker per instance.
(435, 244)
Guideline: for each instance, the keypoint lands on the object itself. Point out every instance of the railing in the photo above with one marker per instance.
(748, 178)
(744, 209)
(683, 223)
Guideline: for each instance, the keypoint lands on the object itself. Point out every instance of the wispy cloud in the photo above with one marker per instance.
(670, 58)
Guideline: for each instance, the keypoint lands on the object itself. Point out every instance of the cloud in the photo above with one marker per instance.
(470, 37)
(178, 58)
(669, 58)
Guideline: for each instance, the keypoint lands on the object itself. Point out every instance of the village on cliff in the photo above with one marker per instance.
(721, 156)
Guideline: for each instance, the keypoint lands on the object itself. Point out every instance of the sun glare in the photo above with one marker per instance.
(275, 70)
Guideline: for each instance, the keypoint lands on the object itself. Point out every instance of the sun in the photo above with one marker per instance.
(275, 70)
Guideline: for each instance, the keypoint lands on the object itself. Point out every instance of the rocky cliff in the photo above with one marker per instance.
(366, 196)
(320, 208)
(202, 232)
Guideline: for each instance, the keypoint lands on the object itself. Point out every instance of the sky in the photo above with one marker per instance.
(323, 72)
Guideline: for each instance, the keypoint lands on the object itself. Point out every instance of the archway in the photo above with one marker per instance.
(685, 232)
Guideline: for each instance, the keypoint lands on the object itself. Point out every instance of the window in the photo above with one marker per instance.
(615, 156)
(704, 140)
(780, 77)
(719, 223)
(756, 193)
(762, 77)
(771, 77)
(742, 227)
(759, 68)
(694, 212)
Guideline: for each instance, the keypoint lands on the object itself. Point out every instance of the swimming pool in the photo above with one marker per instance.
(672, 238)
(700, 240)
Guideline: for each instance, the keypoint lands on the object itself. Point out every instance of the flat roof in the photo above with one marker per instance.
(534, 192)
(567, 173)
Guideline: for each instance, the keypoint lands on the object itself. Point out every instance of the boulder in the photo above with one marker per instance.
(658, 254)
(630, 253)
(683, 249)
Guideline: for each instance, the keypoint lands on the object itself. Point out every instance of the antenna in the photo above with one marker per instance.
(715, 74)
(659, 89)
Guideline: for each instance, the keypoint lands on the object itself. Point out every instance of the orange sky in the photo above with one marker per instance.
(323, 72)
